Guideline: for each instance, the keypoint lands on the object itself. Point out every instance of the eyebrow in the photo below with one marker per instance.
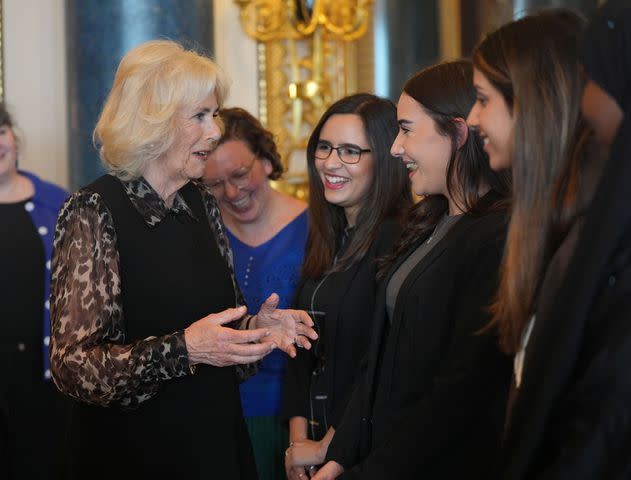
(343, 144)
(403, 122)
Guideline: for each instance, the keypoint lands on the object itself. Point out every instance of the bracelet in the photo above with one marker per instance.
(247, 322)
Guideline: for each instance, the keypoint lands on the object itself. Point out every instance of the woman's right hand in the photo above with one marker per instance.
(207, 341)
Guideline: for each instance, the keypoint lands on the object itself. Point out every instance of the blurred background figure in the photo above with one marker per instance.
(267, 231)
(359, 194)
(34, 408)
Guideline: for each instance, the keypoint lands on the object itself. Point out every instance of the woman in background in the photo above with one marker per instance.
(430, 401)
(28, 212)
(358, 196)
(267, 231)
(564, 302)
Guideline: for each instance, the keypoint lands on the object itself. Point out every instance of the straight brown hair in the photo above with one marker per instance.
(534, 64)
(445, 92)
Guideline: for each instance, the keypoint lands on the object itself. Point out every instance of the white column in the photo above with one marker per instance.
(235, 52)
(35, 84)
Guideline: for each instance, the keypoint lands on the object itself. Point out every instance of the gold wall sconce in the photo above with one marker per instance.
(307, 59)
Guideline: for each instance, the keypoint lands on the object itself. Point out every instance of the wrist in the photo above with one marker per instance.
(192, 361)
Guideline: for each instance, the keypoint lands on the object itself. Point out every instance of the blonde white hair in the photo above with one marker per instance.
(153, 82)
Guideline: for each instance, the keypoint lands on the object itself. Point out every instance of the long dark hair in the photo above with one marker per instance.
(534, 63)
(389, 194)
(445, 92)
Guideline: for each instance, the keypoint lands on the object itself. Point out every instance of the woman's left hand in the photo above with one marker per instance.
(288, 328)
(330, 471)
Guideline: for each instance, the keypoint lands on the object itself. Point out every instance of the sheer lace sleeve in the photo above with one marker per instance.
(90, 360)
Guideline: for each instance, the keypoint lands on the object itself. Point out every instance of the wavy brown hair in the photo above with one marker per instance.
(239, 124)
(534, 63)
(446, 93)
(389, 195)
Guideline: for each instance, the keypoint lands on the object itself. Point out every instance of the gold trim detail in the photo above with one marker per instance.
(307, 58)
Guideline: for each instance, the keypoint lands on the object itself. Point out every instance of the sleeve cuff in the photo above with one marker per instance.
(173, 356)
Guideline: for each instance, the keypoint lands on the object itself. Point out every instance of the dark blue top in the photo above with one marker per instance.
(271, 267)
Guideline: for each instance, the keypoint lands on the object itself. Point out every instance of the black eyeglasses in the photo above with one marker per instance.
(346, 153)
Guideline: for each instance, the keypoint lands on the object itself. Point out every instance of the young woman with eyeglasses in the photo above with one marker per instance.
(429, 403)
(267, 231)
(358, 195)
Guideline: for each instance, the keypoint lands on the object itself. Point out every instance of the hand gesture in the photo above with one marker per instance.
(288, 328)
(210, 343)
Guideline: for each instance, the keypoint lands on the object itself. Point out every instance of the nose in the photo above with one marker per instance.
(333, 161)
(474, 114)
(397, 147)
(213, 131)
(230, 191)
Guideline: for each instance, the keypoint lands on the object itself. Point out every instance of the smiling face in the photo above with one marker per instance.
(8, 152)
(491, 116)
(423, 150)
(196, 129)
(345, 185)
(239, 181)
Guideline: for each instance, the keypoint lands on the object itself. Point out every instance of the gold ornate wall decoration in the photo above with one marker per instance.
(307, 56)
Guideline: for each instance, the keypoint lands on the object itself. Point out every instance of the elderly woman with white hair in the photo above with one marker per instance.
(148, 322)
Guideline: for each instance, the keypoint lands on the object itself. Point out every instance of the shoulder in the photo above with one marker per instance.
(292, 205)
(489, 228)
(388, 233)
(47, 193)
(83, 206)
(288, 209)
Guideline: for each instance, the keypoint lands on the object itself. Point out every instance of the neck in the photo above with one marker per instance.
(14, 187)
(351, 215)
(160, 181)
(456, 206)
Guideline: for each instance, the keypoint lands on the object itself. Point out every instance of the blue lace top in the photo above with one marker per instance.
(271, 267)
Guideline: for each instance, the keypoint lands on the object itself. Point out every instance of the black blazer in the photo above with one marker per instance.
(571, 418)
(347, 333)
(431, 401)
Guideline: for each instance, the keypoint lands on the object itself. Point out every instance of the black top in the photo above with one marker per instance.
(193, 427)
(430, 402)
(33, 406)
(21, 290)
(347, 298)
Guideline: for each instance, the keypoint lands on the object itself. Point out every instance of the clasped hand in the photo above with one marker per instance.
(209, 342)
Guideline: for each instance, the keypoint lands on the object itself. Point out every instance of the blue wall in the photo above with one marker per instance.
(98, 34)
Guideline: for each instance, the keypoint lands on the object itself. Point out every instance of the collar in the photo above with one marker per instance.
(149, 204)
